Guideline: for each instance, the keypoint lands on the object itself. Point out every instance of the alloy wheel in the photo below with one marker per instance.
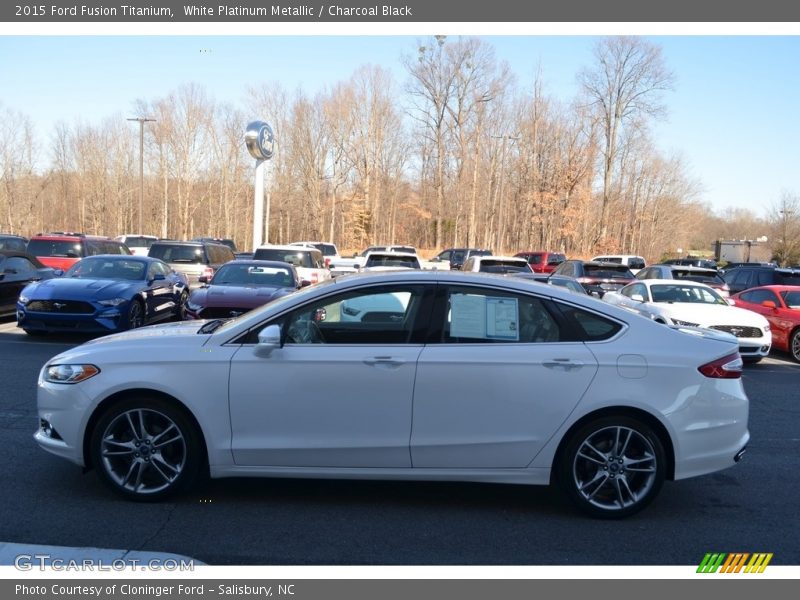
(143, 451)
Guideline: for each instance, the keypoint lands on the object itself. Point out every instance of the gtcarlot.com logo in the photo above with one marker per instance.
(737, 562)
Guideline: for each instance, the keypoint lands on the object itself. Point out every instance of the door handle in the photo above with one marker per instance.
(384, 361)
(562, 363)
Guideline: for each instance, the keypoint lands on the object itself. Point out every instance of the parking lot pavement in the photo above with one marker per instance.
(25, 555)
(10, 327)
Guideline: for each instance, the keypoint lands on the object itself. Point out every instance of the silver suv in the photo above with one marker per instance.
(198, 261)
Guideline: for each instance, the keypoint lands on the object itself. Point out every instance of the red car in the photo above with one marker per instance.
(62, 250)
(542, 262)
(780, 304)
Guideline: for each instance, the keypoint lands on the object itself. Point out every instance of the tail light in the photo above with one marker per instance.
(208, 273)
(327, 262)
(727, 367)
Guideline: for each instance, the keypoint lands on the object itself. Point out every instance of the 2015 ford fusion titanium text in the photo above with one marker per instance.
(405, 375)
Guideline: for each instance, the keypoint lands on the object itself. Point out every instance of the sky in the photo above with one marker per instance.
(733, 116)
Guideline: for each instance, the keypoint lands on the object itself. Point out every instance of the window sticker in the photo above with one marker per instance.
(474, 316)
(502, 319)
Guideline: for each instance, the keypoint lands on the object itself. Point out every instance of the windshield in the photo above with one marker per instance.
(253, 275)
(107, 268)
(692, 294)
(276, 305)
(177, 253)
(55, 248)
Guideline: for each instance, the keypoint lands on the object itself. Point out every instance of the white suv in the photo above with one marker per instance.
(328, 249)
(309, 262)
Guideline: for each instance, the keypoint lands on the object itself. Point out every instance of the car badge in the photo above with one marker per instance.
(59, 305)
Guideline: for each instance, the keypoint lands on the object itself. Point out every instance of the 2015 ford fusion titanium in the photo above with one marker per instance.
(438, 376)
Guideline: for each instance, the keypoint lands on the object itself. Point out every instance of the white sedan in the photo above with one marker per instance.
(690, 304)
(471, 377)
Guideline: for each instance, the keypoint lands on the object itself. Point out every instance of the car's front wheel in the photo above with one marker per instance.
(135, 314)
(612, 467)
(794, 345)
(146, 449)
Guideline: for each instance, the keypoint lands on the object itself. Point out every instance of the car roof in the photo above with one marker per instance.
(288, 247)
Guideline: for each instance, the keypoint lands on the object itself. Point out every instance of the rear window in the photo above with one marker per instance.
(327, 249)
(12, 244)
(173, 253)
(138, 241)
(787, 278)
(66, 249)
(608, 272)
(298, 258)
(503, 266)
(589, 326)
(534, 259)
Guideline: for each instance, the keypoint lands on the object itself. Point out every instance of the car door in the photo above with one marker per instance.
(495, 381)
(160, 292)
(338, 392)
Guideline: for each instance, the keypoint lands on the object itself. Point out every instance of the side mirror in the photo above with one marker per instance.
(637, 297)
(305, 283)
(58, 272)
(158, 277)
(769, 304)
(730, 301)
(203, 279)
(269, 339)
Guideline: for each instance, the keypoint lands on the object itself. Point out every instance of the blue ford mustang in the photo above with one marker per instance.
(104, 293)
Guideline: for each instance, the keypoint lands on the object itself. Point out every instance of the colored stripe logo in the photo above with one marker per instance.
(736, 562)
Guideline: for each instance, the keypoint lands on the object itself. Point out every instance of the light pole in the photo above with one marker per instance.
(142, 121)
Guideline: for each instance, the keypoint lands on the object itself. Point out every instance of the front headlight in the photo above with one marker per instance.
(23, 300)
(112, 301)
(69, 373)
(766, 328)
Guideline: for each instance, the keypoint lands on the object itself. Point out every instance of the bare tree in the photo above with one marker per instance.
(785, 224)
(624, 89)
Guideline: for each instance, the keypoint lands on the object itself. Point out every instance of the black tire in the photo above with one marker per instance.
(146, 449)
(612, 467)
(180, 314)
(136, 314)
(794, 345)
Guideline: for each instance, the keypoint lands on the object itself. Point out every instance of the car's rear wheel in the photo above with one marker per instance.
(135, 314)
(794, 345)
(146, 449)
(612, 467)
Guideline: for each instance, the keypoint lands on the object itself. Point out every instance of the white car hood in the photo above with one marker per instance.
(707, 315)
(173, 330)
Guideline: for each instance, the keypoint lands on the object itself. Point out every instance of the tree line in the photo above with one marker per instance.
(458, 153)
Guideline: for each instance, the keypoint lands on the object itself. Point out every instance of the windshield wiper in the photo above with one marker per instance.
(212, 326)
